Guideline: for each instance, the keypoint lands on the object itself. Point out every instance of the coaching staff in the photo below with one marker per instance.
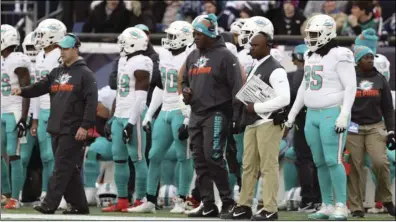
(74, 96)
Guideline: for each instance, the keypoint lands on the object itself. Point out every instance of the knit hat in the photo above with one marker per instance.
(207, 24)
(360, 51)
(368, 38)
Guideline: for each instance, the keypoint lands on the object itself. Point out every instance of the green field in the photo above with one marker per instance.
(165, 214)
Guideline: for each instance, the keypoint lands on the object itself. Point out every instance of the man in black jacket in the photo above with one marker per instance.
(306, 169)
(74, 97)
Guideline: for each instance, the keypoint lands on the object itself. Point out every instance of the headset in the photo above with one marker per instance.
(77, 43)
(212, 26)
(270, 41)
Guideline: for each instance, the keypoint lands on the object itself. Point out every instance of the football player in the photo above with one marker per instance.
(170, 125)
(128, 136)
(46, 35)
(100, 149)
(31, 52)
(328, 92)
(15, 73)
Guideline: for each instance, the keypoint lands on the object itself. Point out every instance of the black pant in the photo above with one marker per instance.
(208, 135)
(66, 179)
(306, 169)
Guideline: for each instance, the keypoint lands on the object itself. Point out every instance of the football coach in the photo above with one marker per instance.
(74, 96)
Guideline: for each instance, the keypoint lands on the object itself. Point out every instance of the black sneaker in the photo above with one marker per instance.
(206, 211)
(42, 208)
(73, 210)
(227, 207)
(390, 207)
(358, 214)
(264, 216)
(238, 213)
(307, 207)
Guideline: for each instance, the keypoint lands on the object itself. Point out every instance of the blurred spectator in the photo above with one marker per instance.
(362, 18)
(224, 17)
(147, 14)
(73, 12)
(317, 6)
(190, 10)
(249, 9)
(389, 26)
(330, 8)
(109, 16)
(288, 19)
(170, 11)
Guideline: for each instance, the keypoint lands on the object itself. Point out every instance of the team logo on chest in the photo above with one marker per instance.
(62, 84)
(365, 89)
(201, 67)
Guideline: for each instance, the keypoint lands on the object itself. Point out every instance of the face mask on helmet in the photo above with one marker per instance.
(244, 36)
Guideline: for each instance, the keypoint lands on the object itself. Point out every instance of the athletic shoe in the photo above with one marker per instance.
(4, 200)
(43, 208)
(145, 207)
(227, 207)
(358, 214)
(135, 204)
(264, 215)
(74, 210)
(375, 210)
(121, 204)
(62, 204)
(340, 213)
(12, 204)
(206, 211)
(390, 208)
(307, 207)
(195, 210)
(192, 203)
(323, 213)
(180, 206)
(238, 213)
(282, 206)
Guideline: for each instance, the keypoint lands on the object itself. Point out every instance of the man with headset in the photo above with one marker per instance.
(74, 97)
(210, 82)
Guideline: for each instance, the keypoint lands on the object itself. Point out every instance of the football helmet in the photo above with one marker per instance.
(48, 32)
(166, 196)
(178, 35)
(28, 46)
(9, 36)
(254, 25)
(106, 194)
(132, 40)
(319, 31)
(237, 25)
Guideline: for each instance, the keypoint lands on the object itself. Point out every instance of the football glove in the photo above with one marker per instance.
(341, 123)
(107, 129)
(147, 123)
(21, 128)
(390, 143)
(127, 133)
(183, 132)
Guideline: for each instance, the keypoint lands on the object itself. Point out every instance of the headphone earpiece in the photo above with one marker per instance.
(212, 26)
(77, 44)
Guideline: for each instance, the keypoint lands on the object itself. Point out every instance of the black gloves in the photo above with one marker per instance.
(390, 143)
(127, 133)
(183, 132)
(107, 129)
(21, 128)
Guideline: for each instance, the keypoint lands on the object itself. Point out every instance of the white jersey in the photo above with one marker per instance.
(322, 86)
(32, 81)
(9, 81)
(246, 60)
(382, 64)
(126, 82)
(169, 66)
(106, 96)
(45, 63)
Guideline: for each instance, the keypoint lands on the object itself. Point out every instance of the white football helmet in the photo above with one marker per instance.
(237, 25)
(48, 32)
(28, 46)
(166, 196)
(132, 40)
(254, 25)
(178, 35)
(106, 194)
(319, 31)
(382, 64)
(9, 36)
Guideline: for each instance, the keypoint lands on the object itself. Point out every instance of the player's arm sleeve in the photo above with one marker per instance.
(113, 76)
(156, 101)
(141, 87)
(280, 84)
(234, 78)
(298, 102)
(90, 94)
(39, 88)
(345, 69)
(35, 102)
(387, 106)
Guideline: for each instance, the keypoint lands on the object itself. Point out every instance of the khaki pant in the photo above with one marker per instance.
(370, 139)
(261, 153)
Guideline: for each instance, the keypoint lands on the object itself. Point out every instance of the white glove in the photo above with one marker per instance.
(341, 123)
(290, 121)
(147, 119)
(186, 121)
(185, 109)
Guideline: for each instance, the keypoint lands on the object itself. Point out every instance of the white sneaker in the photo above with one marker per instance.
(375, 210)
(42, 196)
(90, 193)
(62, 204)
(180, 206)
(194, 210)
(146, 207)
(340, 212)
(282, 206)
(323, 213)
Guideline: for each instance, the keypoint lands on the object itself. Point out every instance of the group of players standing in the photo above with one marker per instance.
(128, 119)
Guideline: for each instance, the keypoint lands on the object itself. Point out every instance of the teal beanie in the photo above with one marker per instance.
(207, 25)
(360, 51)
(368, 38)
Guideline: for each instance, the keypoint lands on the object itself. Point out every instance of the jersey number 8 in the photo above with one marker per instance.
(313, 79)
(170, 79)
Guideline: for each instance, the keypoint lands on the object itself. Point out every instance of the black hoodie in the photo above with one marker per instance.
(73, 94)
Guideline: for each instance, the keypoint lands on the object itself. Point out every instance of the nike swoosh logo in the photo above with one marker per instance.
(269, 215)
(237, 215)
(206, 213)
(234, 64)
